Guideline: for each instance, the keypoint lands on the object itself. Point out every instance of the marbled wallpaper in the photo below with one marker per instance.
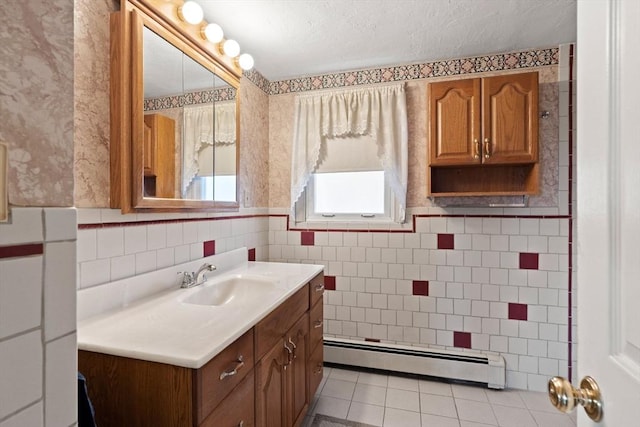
(91, 122)
(36, 105)
(281, 135)
(254, 145)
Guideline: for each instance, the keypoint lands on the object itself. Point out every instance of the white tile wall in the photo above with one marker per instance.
(110, 253)
(22, 382)
(38, 319)
(61, 389)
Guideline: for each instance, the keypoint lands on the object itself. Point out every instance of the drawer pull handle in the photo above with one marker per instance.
(235, 370)
(318, 369)
(317, 324)
(320, 288)
(241, 423)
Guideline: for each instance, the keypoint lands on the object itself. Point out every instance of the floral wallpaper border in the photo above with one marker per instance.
(453, 67)
(191, 98)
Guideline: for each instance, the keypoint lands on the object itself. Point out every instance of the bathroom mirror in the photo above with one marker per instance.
(174, 115)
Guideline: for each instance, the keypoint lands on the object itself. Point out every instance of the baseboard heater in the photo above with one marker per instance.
(487, 369)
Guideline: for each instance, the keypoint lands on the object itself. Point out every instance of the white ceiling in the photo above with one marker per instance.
(293, 38)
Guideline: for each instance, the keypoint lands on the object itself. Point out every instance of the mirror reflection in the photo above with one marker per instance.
(190, 126)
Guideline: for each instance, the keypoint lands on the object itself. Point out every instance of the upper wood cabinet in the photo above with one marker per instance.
(481, 122)
(159, 155)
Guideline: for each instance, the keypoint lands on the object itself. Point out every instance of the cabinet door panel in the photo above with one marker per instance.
(454, 128)
(298, 370)
(271, 388)
(510, 121)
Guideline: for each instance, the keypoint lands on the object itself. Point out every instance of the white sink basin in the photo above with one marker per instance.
(237, 289)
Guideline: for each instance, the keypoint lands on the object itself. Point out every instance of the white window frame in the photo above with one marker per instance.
(305, 211)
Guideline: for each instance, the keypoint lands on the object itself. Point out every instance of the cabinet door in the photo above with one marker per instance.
(298, 339)
(271, 387)
(454, 122)
(149, 154)
(510, 118)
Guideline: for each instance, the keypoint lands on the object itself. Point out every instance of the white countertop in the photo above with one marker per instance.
(162, 328)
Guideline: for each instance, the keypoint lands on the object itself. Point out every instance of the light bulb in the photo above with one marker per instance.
(231, 48)
(245, 61)
(213, 33)
(191, 12)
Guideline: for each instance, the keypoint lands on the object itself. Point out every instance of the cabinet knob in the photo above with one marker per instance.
(487, 148)
(319, 288)
(317, 324)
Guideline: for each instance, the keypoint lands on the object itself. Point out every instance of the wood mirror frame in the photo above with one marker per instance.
(126, 104)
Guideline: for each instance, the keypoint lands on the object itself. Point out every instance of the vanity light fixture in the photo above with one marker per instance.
(213, 33)
(245, 61)
(231, 48)
(191, 12)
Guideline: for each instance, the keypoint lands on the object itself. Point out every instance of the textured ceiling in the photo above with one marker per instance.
(293, 38)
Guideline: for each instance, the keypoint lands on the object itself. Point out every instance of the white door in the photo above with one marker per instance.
(608, 210)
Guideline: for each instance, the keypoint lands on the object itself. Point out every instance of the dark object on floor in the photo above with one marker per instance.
(85, 409)
(320, 420)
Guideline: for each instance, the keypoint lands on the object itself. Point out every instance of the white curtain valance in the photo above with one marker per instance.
(205, 126)
(378, 112)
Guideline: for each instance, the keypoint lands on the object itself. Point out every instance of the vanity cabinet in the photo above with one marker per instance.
(264, 378)
(159, 155)
(483, 136)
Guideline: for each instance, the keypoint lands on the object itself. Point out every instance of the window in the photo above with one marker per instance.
(349, 156)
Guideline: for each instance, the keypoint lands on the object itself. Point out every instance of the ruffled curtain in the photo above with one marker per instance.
(379, 112)
(205, 126)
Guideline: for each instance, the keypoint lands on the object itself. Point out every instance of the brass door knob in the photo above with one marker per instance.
(564, 397)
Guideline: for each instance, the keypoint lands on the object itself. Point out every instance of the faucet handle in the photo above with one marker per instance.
(187, 279)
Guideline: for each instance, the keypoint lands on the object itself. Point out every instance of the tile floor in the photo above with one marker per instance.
(393, 401)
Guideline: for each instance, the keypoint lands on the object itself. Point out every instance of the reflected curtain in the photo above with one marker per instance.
(205, 126)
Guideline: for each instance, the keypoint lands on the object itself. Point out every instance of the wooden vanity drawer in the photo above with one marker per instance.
(316, 325)
(271, 329)
(315, 369)
(216, 379)
(316, 289)
(237, 409)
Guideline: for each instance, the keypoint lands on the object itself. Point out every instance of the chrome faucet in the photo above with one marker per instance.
(190, 280)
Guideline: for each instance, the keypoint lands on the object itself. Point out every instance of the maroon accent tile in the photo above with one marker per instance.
(517, 311)
(252, 254)
(18, 251)
(372, 339)
(462, 339)
(209, 248)
(330, 283)
(445, 241)
(307, 238)
(528, 261)
(421, 287)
